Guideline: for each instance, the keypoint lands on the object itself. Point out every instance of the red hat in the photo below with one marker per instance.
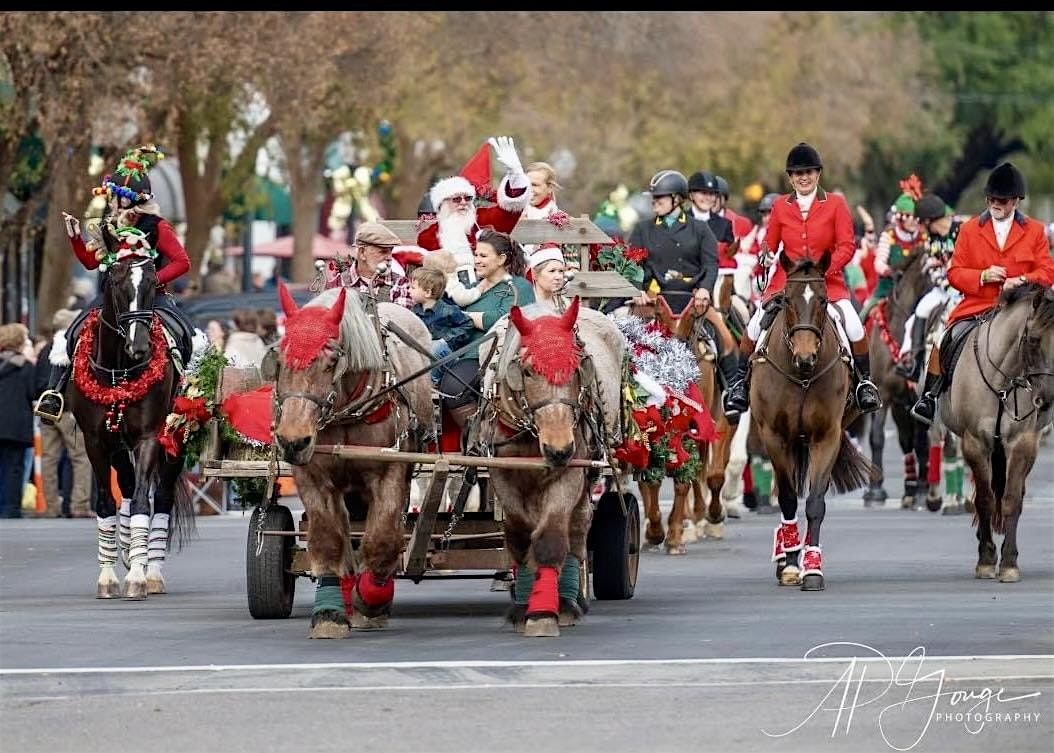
(473, 179)
(409, 256)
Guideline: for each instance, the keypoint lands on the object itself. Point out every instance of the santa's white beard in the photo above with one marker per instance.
(454, 228)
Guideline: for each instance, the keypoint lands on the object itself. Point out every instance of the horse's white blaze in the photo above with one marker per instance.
(808, 294)
(137, 280)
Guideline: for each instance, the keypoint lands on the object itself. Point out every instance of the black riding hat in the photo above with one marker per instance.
(668, 183)
(702, 181)
(1005, 182)
(930, 207)
(803, 157)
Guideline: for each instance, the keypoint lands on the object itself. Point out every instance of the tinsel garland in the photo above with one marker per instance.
(128, 391)
(656, 354)
(879, 315)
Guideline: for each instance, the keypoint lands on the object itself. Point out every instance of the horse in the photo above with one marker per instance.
(121, 392)
(799, 396)
(344, 378)
(556, 392)
(911, 282)
(1000, 399)
(713, 457)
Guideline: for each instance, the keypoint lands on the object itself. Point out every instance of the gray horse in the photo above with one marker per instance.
(1000, 400)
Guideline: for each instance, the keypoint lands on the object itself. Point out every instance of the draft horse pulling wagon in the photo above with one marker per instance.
(354, 423)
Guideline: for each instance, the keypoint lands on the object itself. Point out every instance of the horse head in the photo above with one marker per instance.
(911, 279)
(805, 310)
(311, 365)
(547, 377)
(131, 284)
(1037, 336)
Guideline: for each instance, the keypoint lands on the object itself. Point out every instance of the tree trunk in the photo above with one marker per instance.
(983, 150)
(305, 161)
(70, 184)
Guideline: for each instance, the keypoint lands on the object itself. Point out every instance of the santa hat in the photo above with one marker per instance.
(409, 256)
(472, 180)
(544, 254)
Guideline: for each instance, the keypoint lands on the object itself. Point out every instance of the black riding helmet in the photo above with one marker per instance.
(702, 181)
(1005, 182)
(803, 157)
(722, 186)
(930, 206)
(668, 183)
(767, 202)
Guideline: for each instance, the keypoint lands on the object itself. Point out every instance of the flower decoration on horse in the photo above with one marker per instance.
(185, 427)
(622, 258)
(666, 416)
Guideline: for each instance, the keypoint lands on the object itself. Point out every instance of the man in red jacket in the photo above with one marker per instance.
(808, 222)
(132, 225)
(995, 251)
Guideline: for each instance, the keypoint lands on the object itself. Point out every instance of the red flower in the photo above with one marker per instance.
(194, 408)
(170, 441)
(637, 254)
(633, 453)
(559, 219)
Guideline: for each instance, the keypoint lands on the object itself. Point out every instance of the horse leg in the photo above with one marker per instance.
(720, 450)
(822, 456)
(905, 424)
(954, 472)
(1021, 455)
(550, 546)
(675, 523)
(157, 543)
(732, 488)
(326, 541)
(107, 586)
(574, 602)
(921, 446)
(977, 456)
(786, 550)
(875, 493)
(121, 460)
(518, 544)
(381, 546)
(695, 511)
(147, 459)
(653, 533)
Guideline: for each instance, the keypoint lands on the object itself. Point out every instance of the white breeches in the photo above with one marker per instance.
(930, 301)
(853, 329)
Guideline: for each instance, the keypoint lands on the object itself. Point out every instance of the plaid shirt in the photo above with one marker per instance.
(398, 285)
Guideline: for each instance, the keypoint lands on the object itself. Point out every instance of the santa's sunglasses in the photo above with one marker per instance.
(461, 199)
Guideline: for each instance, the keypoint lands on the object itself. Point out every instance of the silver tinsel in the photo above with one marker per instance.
(666, 360)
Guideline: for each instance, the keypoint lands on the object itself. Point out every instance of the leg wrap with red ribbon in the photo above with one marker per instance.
(545, 594)
(373, 596)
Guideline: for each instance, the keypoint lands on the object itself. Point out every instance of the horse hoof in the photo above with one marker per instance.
(654, 539)
(875, 494)
(652, 547)
(566, 619)
(680, 549)
(135, 591)
(956, 509)
(790, 576)
(812, 582)
(933, 504)
(328, 629)
(360, 621)
(541, 627)
(108, 591)
(155, 586)
(713, 530)
(690, 532)
(907, 502)
(984, 571)
(1009, 575)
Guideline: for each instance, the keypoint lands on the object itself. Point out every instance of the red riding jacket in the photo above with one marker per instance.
(1026, 252)
(829, 227)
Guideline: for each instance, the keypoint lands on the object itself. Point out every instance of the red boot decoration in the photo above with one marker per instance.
(812, 561)
(786, 538)
(545, 595)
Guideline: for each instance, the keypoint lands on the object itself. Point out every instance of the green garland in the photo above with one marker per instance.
(201, 380)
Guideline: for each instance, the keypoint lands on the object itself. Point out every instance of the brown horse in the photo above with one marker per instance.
(122, 388)
(556, 397)
(335, 363)
(798, 394)
(1000, 399)
(911, 282)
(687, 327)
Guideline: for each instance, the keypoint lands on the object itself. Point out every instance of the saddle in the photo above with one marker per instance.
(952, 345)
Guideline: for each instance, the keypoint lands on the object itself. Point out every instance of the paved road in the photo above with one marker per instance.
(707, 655)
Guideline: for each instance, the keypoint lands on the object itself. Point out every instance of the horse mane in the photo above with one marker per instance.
(805, 265)
(1021, 292)
(358, 335)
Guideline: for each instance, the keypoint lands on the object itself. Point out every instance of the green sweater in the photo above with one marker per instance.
(496, 303)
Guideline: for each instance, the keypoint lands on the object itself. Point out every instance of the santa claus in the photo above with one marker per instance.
(458, 220)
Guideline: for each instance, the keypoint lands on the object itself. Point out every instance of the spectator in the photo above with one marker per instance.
(217, 334)
(16, 417)
(267, 326)
(371, 271)
(244, 346)
(63, 436)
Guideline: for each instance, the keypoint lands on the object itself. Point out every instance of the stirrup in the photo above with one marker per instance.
(862, 385)
(45, 415)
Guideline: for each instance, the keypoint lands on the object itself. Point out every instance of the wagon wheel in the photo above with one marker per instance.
(614, 539)
(269, 582)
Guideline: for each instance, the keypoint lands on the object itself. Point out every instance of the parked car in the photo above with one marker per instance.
(202, 308)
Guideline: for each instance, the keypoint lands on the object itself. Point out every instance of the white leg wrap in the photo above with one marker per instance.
(137, 552)
(124, 532)
(107, 541)
(905, 345)
(158, 541)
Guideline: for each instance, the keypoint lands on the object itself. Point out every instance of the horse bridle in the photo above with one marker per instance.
(1013, 384)
(521, 417)
(804, 384)
(143, 316)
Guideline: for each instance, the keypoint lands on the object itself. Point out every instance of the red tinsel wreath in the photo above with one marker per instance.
(131, 391)
(879, 314)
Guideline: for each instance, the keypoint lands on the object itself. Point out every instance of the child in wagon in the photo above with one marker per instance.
(449, 326)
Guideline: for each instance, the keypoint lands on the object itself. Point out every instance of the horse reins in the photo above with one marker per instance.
(1013, 384)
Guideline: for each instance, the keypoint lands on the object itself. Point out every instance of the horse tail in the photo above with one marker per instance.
(998, 486)
(182, 524)
(851, 469)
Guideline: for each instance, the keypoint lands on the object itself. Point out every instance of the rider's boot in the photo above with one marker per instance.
(51, 403)
(925, 409)
(737, 397)
(912, 369)
(868, 399)
(728, 368)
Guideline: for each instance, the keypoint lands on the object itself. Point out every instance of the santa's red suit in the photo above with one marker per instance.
(502, 216)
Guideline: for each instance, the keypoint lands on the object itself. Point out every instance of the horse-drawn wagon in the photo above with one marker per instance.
(440, 534)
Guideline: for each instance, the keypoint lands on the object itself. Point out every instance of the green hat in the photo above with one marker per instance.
(905, 204)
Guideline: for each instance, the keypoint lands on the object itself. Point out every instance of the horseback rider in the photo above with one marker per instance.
(942, 228)
(894, 244)
(808, 222)
(132, 220)
(682, 259)
(995, 251)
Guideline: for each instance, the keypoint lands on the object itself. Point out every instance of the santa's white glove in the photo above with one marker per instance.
(505, 153)
(73, 225)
